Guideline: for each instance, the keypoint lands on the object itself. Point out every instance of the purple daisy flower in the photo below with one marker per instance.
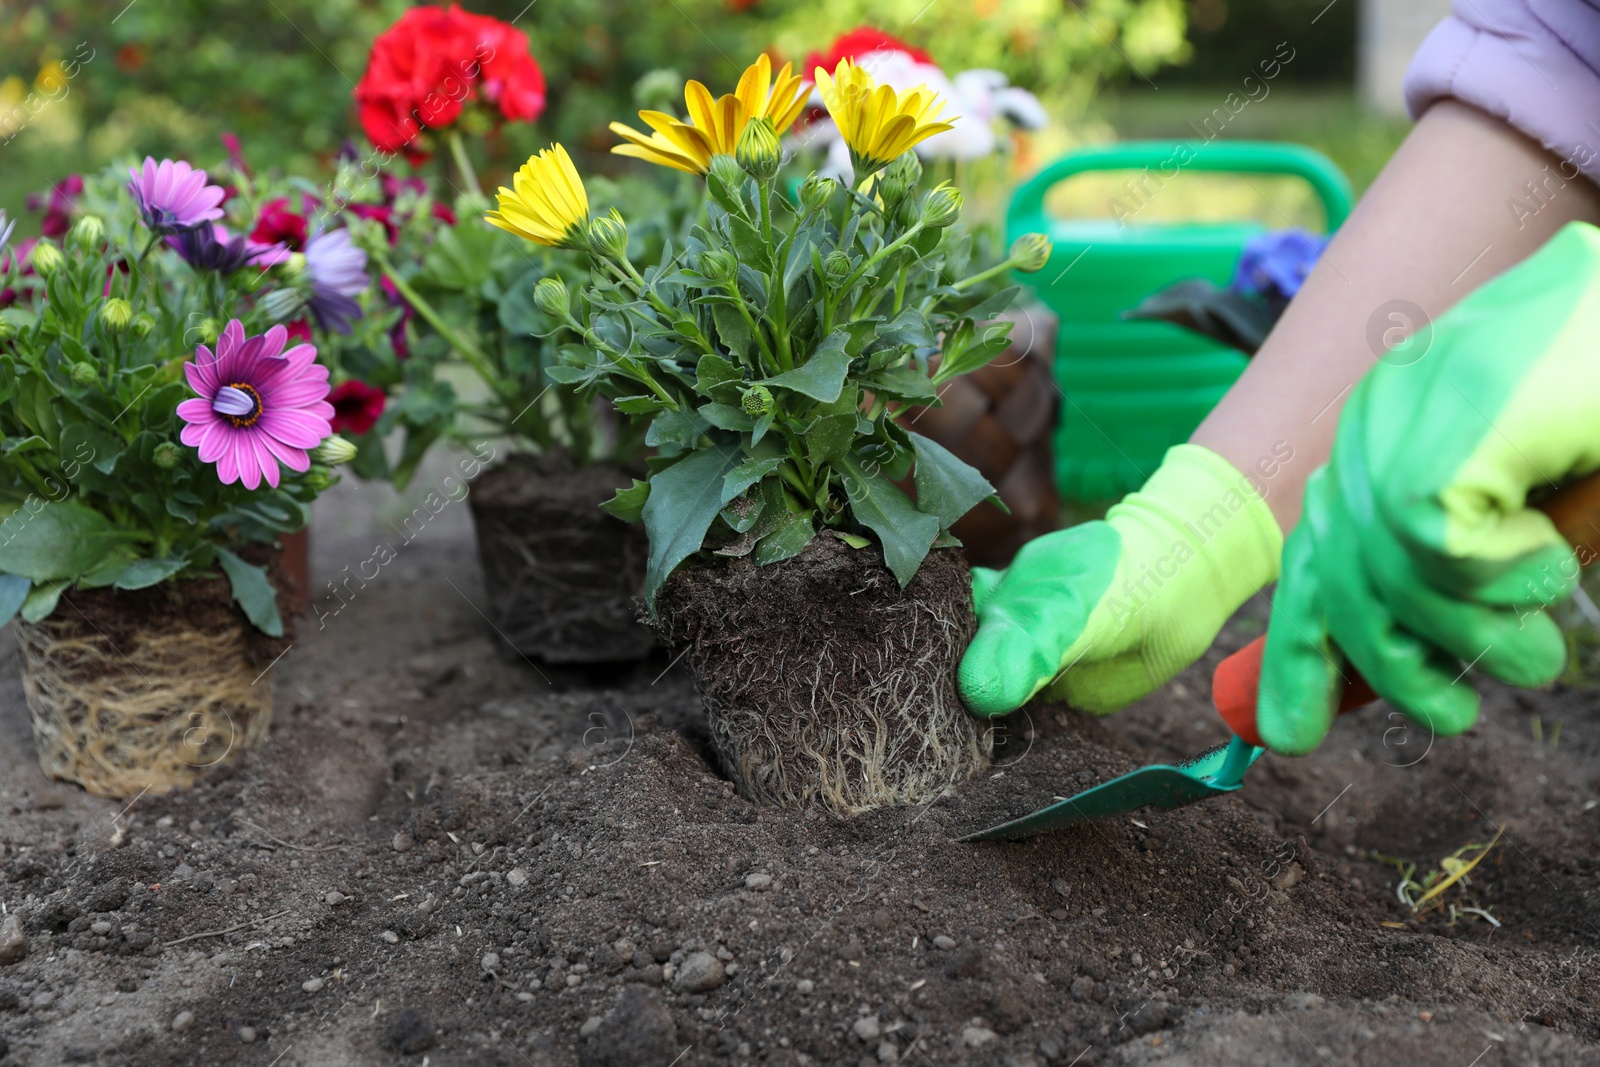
(337, 270)
(211, 248)
(258, 405)
(173, 196)
(1275, 264)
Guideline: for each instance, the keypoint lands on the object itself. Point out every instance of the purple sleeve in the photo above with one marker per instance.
(1533, 63)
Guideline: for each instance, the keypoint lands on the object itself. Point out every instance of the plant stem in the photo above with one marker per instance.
(967, 283)
(154, 238)
(458, 151)
(870, 262)
(778, 300)
(469, 351)
(641, 288)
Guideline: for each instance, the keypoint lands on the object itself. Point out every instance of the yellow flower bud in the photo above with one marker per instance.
(758, 150)
(46, 258)
(1030, 252)
(334, 451)
(116, 313)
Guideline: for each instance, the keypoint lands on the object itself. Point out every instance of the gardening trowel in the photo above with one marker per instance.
(1575, 510)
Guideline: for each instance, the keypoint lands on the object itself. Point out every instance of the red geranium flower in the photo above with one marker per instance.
(356, 407)
(277, 224)
(57, 205)
(861, 41)
(434, 61)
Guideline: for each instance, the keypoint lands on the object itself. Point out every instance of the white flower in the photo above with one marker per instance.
(982, 98)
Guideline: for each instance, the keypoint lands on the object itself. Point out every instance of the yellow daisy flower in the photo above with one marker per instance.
(715, 124)
(549, 205)
(877, 123)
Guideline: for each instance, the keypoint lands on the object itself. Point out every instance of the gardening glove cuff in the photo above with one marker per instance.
(1123, 604)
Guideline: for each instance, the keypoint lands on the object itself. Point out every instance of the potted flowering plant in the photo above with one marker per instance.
(284, 238)
(822, 608)
(561, 576)
(160, 435)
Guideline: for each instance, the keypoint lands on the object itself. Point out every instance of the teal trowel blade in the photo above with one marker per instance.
(1216, 771)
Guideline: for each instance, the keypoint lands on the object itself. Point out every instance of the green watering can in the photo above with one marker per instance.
(1134, 389)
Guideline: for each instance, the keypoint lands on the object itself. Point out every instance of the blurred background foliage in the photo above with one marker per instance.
(167, 77)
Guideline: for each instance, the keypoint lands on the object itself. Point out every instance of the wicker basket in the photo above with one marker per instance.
(1000, 419)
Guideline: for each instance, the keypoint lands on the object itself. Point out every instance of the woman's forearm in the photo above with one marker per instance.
(1465, 197)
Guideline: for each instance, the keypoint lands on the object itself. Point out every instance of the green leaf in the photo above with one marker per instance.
(675, 428)
(143, 573)
(21, 446)
(732, 329)
(763, 424)
(965, 350)
(517, 312)
(253, 592)
(791, 537)
(829, 437)
(995, 304)
(684, 499)
(727, 417)
(905, 533)
(564, 375)
(628, 504)
(749, 245)
(460, 257)
(907, 383)
(108, 569)
(853, 540)
(83, 444)
(947, 486)
(42, 601)
(822, 376)
(910, 327)
(14, 589)
(718, 379)
(639, 405)
(60, 539)
(741, 514)
(747, 474)
(188, 512)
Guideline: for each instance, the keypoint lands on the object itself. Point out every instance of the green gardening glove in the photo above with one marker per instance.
(1117, 607)
(1417, 555)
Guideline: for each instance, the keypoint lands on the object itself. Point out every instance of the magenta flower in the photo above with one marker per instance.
(173, 196)
(259, 406)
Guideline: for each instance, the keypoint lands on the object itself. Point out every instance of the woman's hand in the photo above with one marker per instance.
(1117, 607)
(1417, 555)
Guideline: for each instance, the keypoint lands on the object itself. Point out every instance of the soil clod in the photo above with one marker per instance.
(13, 939)
(409, 1033)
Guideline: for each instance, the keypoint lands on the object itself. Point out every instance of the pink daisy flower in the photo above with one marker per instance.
(258, 405)
(173, 196)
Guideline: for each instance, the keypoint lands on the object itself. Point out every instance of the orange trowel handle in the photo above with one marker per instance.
(1575, 510)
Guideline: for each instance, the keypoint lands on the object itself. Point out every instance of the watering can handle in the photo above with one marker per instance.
(1575, 510)
(1167, 159)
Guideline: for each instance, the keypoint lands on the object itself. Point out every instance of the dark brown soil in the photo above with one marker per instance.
(204, 603)
(442, 855)
(562, 577)
(824, 682)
